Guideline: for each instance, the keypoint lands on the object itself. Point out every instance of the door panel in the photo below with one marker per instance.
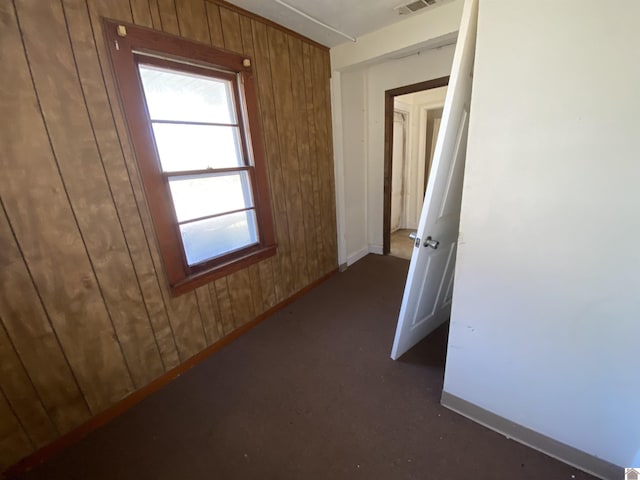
(426, 302)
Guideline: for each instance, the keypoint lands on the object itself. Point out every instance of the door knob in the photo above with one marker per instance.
(414, 236)
(429, 242)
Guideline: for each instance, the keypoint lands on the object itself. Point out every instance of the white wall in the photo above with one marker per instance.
(381, 77)
(354, 165)
(362, 145)
(427, 29)
(545, 328)
(402, 54)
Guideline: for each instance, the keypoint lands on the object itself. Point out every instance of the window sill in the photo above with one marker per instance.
(198, 279)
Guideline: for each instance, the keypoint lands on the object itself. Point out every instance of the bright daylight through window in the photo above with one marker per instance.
(192, 114)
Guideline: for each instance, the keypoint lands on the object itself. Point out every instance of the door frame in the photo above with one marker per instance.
(389, 95)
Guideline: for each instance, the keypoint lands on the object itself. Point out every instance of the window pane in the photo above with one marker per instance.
(196, 147)
(198, 196)
(174, 95)
(207, 239)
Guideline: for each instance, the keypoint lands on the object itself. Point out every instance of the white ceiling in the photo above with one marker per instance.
(353, 17)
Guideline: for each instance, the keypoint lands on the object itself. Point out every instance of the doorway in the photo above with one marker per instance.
(411, 122)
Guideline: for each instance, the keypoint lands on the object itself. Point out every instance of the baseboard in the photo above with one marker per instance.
(354, 257)
(377, 249)
(558, 450)
(74, 436)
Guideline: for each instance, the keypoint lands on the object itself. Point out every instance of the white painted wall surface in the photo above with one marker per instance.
(426, 29)
(354, 163)
(362, 156)
(381, 77)
(389, 48)
(545, 328)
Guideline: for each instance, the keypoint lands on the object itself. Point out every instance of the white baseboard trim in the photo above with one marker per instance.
(354, 257)
(377, 249)
(558, 450)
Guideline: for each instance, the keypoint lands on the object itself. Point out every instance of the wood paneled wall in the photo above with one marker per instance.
(86, 317)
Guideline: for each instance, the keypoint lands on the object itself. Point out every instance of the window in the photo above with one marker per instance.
(192, 116)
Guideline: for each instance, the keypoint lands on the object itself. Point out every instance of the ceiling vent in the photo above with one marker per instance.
(413, 7)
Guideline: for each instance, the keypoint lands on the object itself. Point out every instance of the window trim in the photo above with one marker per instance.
(126, 43)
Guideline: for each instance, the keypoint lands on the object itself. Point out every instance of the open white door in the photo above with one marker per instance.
(426, 303)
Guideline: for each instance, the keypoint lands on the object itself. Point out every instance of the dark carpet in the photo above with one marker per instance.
(309, 394)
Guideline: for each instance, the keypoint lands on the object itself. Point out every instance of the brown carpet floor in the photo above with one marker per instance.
(309, 394)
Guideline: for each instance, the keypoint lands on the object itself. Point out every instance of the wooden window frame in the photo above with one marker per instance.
(127, 43)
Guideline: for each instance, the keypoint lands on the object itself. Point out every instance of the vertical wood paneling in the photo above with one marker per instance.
(267, 281)
(314, 152)
(36, 200)
(14, 443)
(64, 110)
(217, 312)
(215, 25)
(155, 14)
(168, 16)
(329, 176)
(224, 304)
(285, 117)
(31, 333)
(303, 153)
(22, 396)
(282, 267)
(86, 315)
(264, 296)
(231, 30)
(239, 285)
(141, 11)
(109, 146)
(192, 19)
(325, 165)
(183, 311)
(208, 314)
(256, 290)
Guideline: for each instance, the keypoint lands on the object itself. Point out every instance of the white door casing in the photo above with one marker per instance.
(426, 302)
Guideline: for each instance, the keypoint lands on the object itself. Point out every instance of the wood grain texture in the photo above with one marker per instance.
(282, 265)
(224, 304)
(239, 285)
(155, 14)
(27, 324)
(209, 314)
(231, 30)
(141, 11)
(314, 152)
(14, 442)
(215, 25)
(169, 16)
(321, 99)
(305, 173)
(36, 200)
(264, 269)
(329, 173)
(100, 112)
(192, 20)
(285, 118)
(86, 316)
(22, 396)
(64, 111)
(183, 312)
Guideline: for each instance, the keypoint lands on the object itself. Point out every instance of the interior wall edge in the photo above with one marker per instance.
(547, 445)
